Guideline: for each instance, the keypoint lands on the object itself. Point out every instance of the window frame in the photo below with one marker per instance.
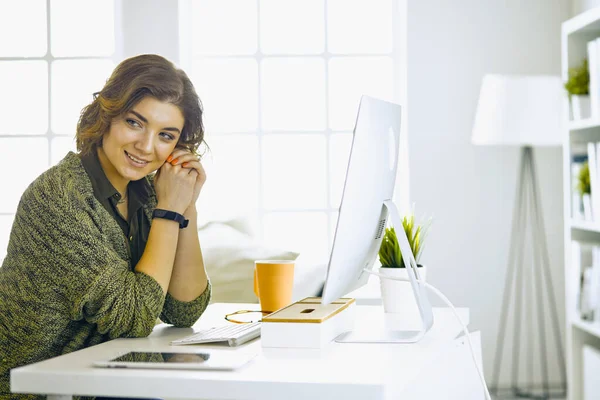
(49, 58)
(398, 55)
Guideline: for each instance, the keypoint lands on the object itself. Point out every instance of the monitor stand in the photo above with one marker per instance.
(384, 335)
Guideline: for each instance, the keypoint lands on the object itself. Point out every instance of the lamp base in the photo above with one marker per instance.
(532, 392)
(531, 283)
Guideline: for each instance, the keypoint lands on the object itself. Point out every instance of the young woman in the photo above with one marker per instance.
(100, 246)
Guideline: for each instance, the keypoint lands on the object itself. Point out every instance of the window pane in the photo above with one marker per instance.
(228, 90)
(339, 154)
(349, 78)
(25, 20)
(6, 222)
(293, 94)
(359, 26)
(224, 27)
(27, 158)
(60, 147)
(82, 28)
(294, 171)
(73, 85)
(231, 187)
(283, 26)
(24, 97)
(303, 232)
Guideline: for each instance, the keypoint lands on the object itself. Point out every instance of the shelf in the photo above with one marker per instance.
(588, 123)
(585, 225)
(576, 33)
(584, 22)
(593, 328)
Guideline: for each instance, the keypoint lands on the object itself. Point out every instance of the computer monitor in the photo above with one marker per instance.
(366, 204)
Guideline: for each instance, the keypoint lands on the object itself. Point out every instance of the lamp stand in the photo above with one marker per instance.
(529, 281)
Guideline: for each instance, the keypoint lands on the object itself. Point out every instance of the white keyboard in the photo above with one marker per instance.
(234, 335)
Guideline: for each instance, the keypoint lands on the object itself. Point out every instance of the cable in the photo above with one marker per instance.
(445, 300)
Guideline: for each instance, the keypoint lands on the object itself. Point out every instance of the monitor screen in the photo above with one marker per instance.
(370, 180)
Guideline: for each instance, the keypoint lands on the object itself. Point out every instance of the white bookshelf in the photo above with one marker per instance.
(584, 124)
(585, 226)
(593, 328)
(576, 32)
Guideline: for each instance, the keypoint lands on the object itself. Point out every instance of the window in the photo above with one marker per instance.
(49, 69)
(281, 82)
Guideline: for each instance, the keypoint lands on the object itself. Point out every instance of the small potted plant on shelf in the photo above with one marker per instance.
(398, 296)
(584, 190)
(578, 87)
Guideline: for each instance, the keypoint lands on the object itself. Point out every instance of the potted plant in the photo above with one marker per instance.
(584, 190)
(398, 296)
(578, 87)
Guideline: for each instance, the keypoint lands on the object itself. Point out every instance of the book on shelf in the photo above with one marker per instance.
(593, 53)
(591, 366)
(583, 291)
(593, 56)
(594, 284)
(594, 182)
(574, 284)
(581, 206)
(587, 207)
(586, 308)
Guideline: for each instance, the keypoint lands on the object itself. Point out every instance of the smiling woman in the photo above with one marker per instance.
(98, 248)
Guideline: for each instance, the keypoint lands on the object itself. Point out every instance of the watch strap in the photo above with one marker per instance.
(171, 215)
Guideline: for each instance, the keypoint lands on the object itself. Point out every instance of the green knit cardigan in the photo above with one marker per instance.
(67, 282)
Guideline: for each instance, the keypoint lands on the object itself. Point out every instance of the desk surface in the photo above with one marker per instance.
(342, 370)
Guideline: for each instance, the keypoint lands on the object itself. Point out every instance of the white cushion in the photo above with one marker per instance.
(229, 250)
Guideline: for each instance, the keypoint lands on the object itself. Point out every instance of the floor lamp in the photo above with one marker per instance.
(525, 111)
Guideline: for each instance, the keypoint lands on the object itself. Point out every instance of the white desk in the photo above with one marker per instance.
(436, 367)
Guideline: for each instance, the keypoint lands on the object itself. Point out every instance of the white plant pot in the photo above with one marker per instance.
(397, 296)
(581, 107)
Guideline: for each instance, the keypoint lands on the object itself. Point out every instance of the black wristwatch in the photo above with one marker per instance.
(172, 215)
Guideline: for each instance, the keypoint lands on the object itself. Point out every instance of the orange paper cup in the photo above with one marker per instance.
(273, 283)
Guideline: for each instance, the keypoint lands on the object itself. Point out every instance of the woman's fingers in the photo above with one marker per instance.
(174, 169)
(180, 156)
(195, 164)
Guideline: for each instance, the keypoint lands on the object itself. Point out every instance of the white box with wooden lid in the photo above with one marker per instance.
(307, 323)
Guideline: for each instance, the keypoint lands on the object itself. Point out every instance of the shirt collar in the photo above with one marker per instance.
(103, 189)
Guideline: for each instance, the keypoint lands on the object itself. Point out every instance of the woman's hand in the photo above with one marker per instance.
(188, 161)
(175, 187)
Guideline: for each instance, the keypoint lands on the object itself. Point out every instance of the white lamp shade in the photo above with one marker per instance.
(519, 110)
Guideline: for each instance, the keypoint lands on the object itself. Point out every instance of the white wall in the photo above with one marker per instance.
(580, 6)
(470, 190)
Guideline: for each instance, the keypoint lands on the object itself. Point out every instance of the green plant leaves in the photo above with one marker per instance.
(583, 180)
(579, 80)
(389, 251)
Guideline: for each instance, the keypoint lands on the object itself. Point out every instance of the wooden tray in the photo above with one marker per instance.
(309, 310)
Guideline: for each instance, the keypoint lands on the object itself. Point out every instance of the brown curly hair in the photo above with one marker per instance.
(132, 80)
